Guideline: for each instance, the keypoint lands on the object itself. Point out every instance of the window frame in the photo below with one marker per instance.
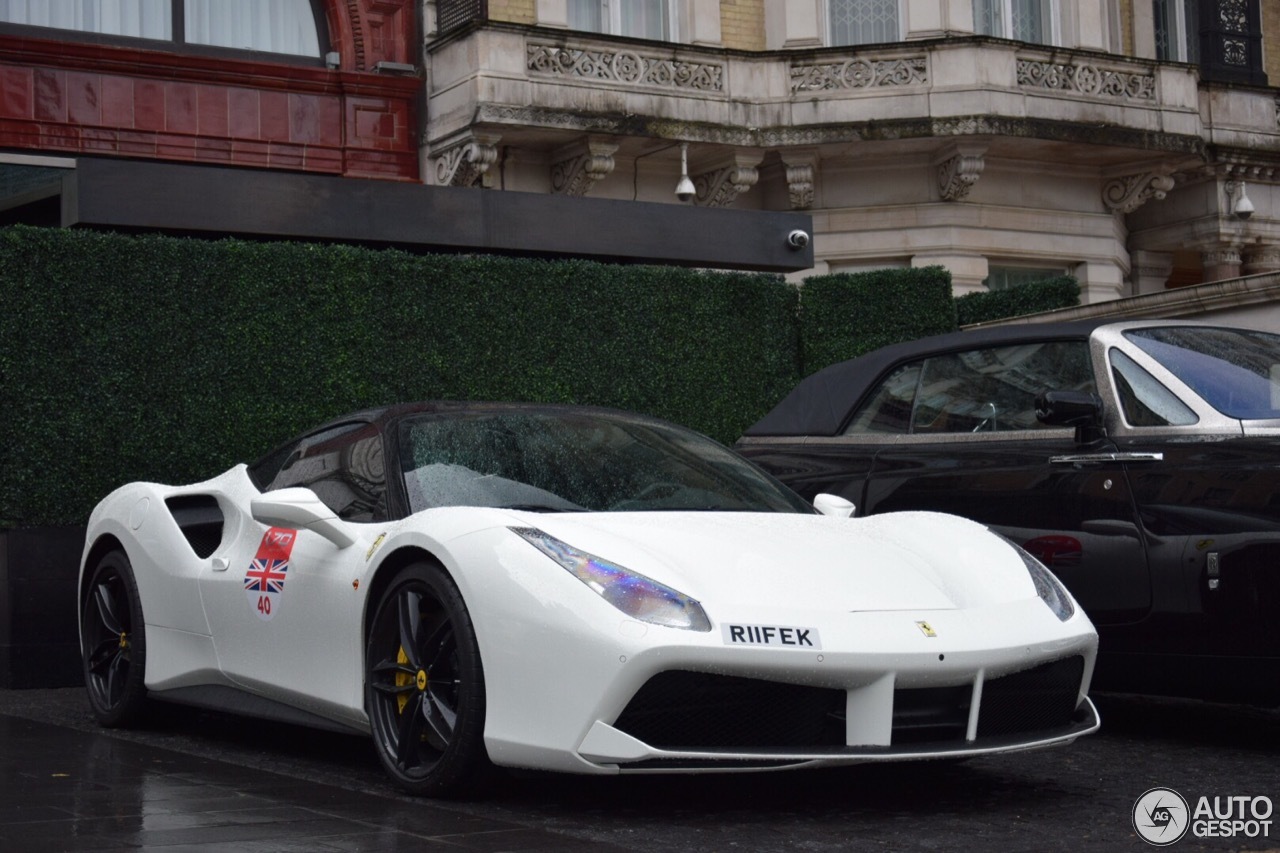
(1052, 12)
(1184, 47)
(177, 43)
(830, 26)
(611, 21)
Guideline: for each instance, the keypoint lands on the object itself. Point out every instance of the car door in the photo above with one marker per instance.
(970, 444)
(281, 603)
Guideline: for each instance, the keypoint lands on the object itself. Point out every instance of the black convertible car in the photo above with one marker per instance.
(1139, 460)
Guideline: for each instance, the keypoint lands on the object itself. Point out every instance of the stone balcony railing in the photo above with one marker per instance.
(499, 78)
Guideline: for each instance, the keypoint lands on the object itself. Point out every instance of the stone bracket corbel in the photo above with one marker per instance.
(801, 167)
(576, 168)
(466, 162)
(722, 183)
(959, 167)
(1127, 193)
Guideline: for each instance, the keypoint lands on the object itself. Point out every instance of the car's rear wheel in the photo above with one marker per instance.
(113, 643)
(424, 686)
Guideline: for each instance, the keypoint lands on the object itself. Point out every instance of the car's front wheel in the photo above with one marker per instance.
(424, 685)
(113, 644)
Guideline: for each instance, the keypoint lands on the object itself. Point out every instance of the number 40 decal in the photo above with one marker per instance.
(265, 577)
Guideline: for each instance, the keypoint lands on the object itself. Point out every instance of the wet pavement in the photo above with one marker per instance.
(63, 789)
(201, 781)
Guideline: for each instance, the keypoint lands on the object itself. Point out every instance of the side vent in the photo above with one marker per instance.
(200, 519)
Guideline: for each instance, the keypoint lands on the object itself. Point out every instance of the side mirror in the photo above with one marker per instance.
(1079, 409)
(300, 508)
(834, 506)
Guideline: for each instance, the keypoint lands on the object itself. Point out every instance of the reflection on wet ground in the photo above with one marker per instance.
(71, 790)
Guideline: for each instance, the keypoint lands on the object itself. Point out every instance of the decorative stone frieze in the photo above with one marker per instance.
(467, 162)
(1086, 80)
(959, 170)
(626, 67)
(1260, 259)
(860, 74)
(1128, 193)
(578, 168)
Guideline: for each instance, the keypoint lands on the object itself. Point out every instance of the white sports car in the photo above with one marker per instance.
(571, 589)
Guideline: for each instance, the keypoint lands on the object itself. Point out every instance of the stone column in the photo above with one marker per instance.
(1260, 259)
(1151, 271)
(1099, 282)
(1221, 263)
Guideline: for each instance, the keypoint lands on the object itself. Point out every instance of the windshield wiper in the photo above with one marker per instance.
(540, 508)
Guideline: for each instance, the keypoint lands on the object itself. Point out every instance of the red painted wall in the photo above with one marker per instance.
(76, 97)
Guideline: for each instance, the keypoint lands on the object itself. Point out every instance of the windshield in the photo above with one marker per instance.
(1235, 370)
(577, 461)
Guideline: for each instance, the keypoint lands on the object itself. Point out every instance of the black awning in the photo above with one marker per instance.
(218, 201)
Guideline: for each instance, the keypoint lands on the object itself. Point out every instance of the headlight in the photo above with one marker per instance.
(631, 592)
(1048, 587)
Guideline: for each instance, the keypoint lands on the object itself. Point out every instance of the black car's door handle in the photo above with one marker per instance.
(1099, 458)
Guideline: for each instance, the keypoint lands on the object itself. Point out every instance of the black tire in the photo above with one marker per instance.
(113, 643)
(424, 686)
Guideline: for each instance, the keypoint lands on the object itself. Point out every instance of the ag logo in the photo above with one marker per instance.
(1161, 817)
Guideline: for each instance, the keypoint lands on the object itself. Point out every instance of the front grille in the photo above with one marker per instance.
(680, 710)
(1039, 699)
(931, 714)
(690, 710)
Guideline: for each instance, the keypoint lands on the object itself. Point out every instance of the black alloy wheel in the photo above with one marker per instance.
(424, 686)
(113, 643)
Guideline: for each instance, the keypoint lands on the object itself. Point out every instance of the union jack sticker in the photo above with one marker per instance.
(265, 577)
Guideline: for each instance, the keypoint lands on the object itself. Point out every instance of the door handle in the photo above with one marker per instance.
(221, 564)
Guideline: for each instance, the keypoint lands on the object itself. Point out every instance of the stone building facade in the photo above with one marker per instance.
(1120, 141)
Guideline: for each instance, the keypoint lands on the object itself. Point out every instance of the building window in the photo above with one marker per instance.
(1021, 20)
(1177, 30)
(1005, 278)
(272, 26)
(645, 19)
(863, 21)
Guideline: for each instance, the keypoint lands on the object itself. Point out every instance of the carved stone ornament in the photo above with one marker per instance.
(1127, 194)
(1086, 79)
(958, 174)
(578, 171)
(800, 185)
(860, 74)
(625, 67)
(721, 187)
(467, 163)
(1221, 257)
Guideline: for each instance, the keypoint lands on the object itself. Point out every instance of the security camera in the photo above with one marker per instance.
(1244, 207)
(685, 190)
(798, 239)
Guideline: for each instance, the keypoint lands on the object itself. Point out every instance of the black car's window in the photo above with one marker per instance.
(1143, 400)
(344, 467)
(572, 462)
(1234, 370)
(982, 390)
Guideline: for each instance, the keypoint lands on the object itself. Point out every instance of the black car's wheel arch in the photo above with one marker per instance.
(102, 546)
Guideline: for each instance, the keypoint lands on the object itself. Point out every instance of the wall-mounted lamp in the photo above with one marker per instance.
(685, 190)
(1240, 205)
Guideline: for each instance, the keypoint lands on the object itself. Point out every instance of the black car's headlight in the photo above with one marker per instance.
(634, 594)
(1048, 587)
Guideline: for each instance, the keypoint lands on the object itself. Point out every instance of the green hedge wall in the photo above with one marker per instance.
(1030, 298)
(844, 315)
(152, 357)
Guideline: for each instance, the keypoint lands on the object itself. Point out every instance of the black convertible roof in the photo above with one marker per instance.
(821, 403)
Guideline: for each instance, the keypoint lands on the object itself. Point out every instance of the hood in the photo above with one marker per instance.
(899, 561)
